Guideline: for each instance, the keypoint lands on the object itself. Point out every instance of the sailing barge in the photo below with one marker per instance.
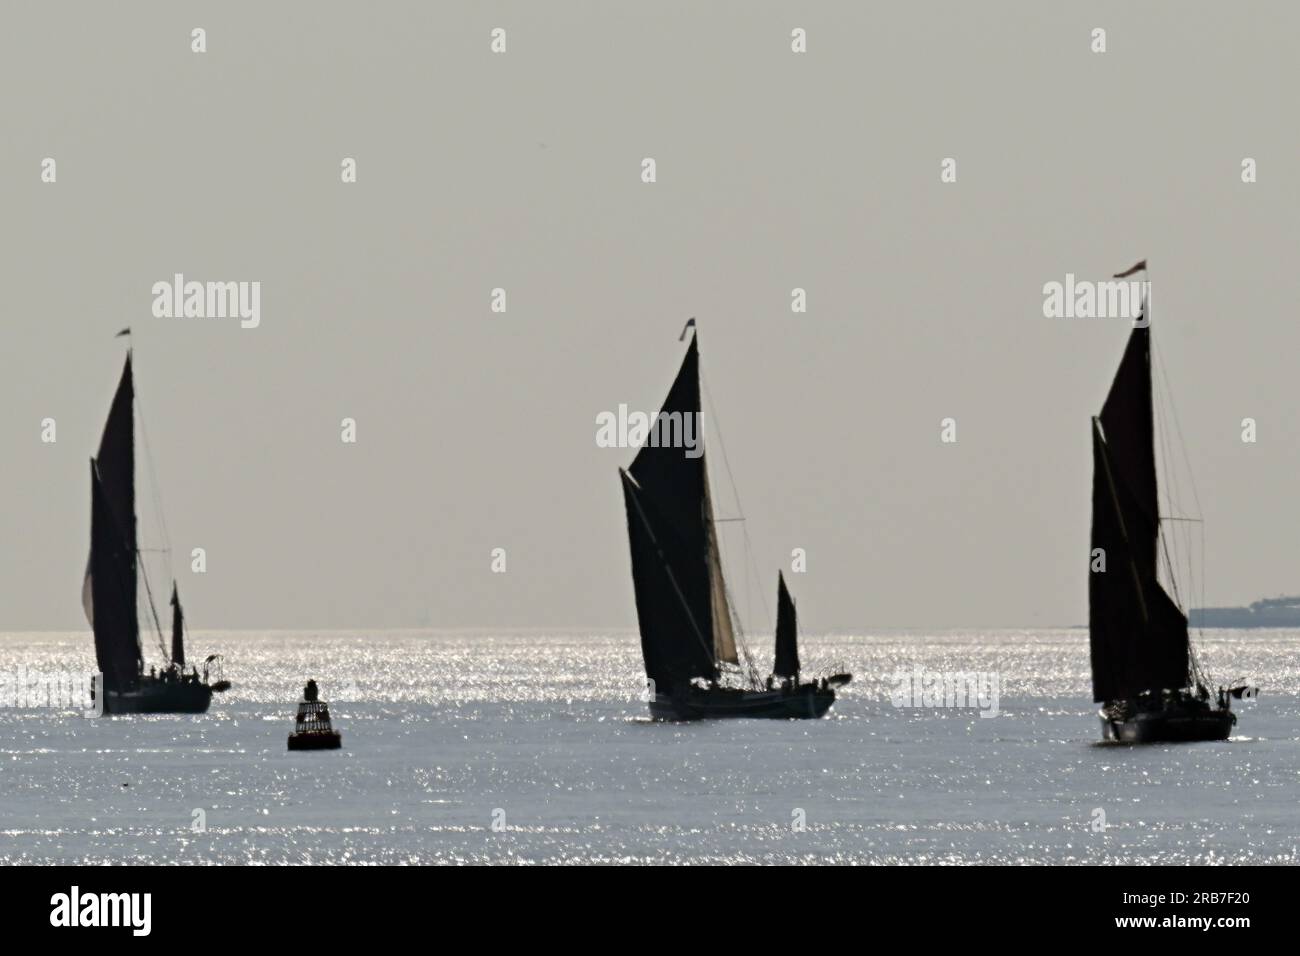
(689, 638)
(110, 590)
(1144, 669)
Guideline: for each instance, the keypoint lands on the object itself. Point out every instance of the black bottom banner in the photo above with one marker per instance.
(271, 903)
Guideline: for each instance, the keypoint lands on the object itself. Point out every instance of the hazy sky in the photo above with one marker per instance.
(522, 170)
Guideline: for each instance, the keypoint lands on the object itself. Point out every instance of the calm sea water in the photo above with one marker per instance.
(446, 733)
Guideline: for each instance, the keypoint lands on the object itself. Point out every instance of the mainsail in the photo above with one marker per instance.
(110, 589)
(1138, 635)
(681, 599)
(787, 633)
(178, 630)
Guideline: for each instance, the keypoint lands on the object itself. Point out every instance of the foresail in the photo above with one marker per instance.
(724, 636)
(88, 595)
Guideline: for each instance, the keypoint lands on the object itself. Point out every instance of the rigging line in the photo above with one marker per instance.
(731, 480)
(155, 488)
(144, 576)
(1191, 476)
(728, 601)
(1168, 537)
(1171, 479)
(1165, 535)
(751, 563)
(1178, 431)
(155, 494)
(1171, 538)
(738, 633)
(1197, 673)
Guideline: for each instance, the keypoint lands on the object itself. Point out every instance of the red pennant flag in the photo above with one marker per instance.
(1137, 267)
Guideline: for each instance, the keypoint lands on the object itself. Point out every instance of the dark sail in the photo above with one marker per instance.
(1165, 658)
(673, 620)
(112, 588)
(787, 637)
(116, 457)
(115, 466)
(1137, 634)
(178, 630)
(1129, 428)
(669, 528)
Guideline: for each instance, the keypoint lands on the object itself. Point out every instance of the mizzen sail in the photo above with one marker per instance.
(787, 633)
(178, 629)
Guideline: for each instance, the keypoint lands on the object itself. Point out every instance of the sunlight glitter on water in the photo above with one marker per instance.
(446, 734)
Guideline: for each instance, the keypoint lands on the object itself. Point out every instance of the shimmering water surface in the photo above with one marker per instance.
(446, 732)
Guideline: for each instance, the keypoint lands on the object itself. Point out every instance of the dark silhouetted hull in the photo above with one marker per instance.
(153, 696)
(325, 740)
(1175, 725)
(806, 701)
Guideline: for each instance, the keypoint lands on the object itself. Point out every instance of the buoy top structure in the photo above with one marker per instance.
(312, 730)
